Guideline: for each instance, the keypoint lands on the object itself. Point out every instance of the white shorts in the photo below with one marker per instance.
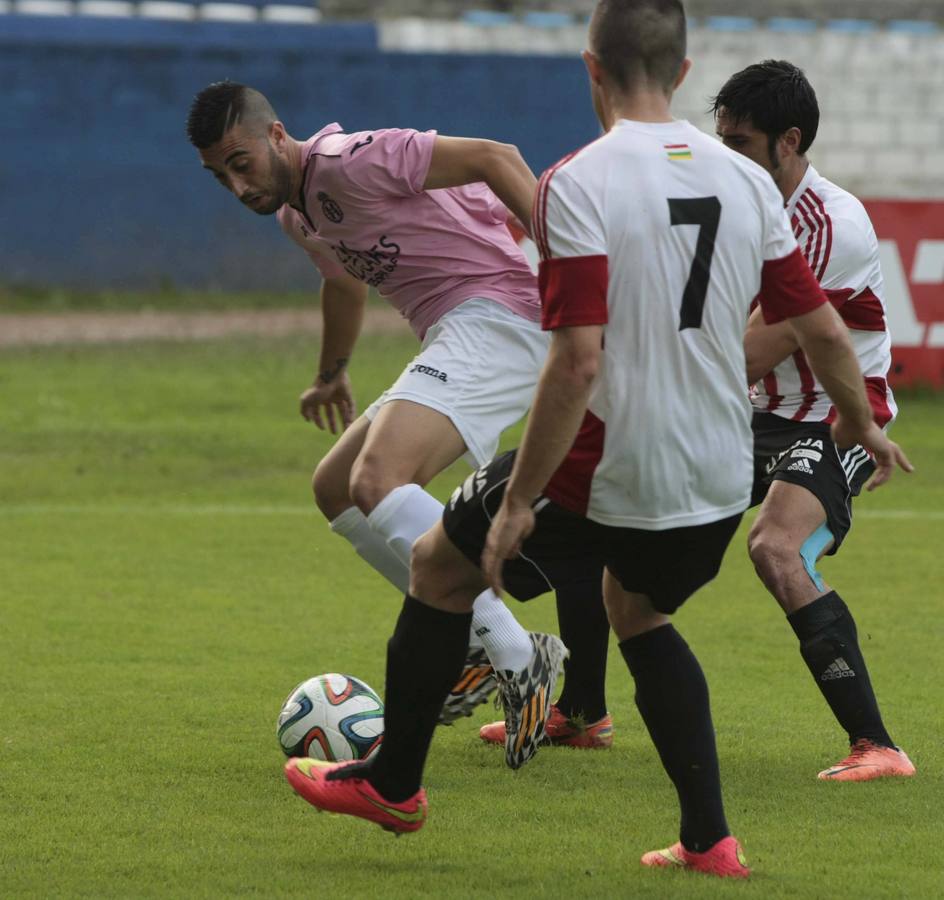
(479, 367)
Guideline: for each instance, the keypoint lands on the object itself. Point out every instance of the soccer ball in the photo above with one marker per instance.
(331, 717)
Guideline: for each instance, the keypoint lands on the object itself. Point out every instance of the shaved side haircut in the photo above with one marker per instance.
(639, 43)
(222, 105)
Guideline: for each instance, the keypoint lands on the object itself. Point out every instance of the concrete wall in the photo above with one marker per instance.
(98, 186)
(881, 92)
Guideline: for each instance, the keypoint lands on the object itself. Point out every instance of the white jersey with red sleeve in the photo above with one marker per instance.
(837, 239)
(664, 236)
(363, 211)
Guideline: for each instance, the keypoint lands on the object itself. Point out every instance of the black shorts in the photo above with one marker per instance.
(567, 549)
(803, 453)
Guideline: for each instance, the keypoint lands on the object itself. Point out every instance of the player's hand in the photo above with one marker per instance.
(886, 454)
(509, 530)
(330, 403)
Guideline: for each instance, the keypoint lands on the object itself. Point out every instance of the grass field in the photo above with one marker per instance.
(165, 581)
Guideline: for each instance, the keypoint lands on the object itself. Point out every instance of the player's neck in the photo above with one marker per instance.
(791, 175)
(640, 106)
(297, 169)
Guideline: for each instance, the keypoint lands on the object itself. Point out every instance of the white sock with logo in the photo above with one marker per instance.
(371, 547)
(401, 517)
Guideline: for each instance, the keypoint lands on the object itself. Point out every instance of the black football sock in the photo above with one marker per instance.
(672, 697)
(829, 645)
(585, 631)
(425, 657)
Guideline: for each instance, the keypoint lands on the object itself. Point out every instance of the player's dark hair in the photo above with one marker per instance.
(639, 41)
(773, 96)
(220, 106)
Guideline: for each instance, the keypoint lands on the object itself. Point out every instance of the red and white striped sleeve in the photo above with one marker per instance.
(573, 273)
(788, 287)
(844, 273)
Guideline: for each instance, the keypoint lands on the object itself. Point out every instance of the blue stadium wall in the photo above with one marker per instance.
(100, 189)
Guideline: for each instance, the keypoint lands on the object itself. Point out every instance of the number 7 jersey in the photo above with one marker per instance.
(664, 236)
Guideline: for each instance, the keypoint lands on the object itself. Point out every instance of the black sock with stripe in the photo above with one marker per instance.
(829, 645)
(672, 698)
(585, 631)
(425, 657)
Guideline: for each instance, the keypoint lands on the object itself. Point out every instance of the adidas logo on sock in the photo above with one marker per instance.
(838, 668)
(483, 630)
(801, 465)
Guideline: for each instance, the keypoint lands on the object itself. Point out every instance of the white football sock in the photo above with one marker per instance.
(401, 517)
(506, 643)
(370, 546)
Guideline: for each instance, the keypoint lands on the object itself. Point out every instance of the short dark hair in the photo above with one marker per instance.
(774, 96)
(639, 40)
(220, 106)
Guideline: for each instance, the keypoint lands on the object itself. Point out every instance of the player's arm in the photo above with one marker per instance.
(457, 161)
(343, 299)
(766, 346)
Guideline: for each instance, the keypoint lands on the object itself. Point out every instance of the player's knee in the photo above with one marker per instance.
(370, 483)
(330, 489)
(772, 556)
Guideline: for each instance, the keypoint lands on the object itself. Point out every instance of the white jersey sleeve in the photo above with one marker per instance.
(779, 241)
(571, 238)
(845, 270)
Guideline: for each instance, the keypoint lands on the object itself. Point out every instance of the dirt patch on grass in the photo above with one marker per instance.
(28, 329)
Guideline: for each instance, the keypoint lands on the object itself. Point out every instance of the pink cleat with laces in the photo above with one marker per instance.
(867, 760)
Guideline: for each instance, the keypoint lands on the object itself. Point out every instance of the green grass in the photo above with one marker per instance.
(165, 580)
(26, 298)
(31, 299)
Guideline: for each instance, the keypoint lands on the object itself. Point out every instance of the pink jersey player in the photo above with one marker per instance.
(421, 218)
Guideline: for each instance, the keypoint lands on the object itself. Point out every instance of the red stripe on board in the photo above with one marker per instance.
(864, 312)
(570, 484)
(573, 291)
(821, 271)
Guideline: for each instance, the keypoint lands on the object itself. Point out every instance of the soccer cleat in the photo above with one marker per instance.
(867, 761)
(561, 731)
(725, 859)
(474, 686)
(312, 780)
(526, 698)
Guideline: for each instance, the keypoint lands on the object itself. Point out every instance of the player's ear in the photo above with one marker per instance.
(277, 134)
(594, 69)
(683, 71)
(790, 141)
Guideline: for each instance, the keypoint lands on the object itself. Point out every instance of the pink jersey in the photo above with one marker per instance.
(366, 214)
(839, 243)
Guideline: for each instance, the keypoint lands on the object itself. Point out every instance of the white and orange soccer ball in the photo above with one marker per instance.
(332, 717)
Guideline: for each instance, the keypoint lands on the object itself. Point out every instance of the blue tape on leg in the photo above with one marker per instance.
(818, 541)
